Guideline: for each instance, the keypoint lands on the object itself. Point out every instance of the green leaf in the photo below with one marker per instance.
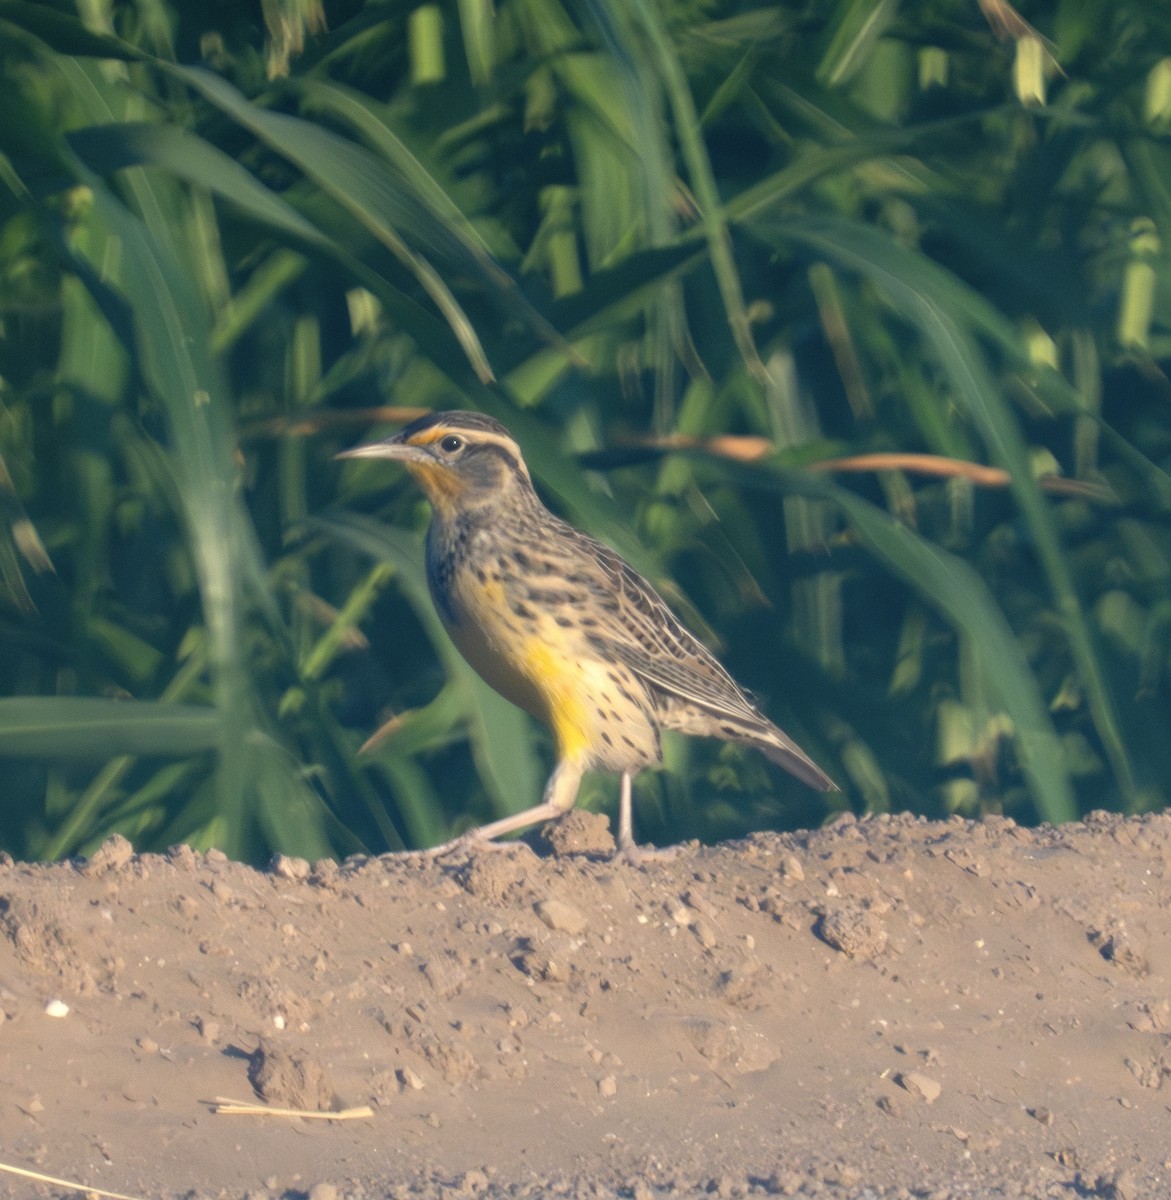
(948, 314)
(109, 148)
(953, 588)
(74, 727)
(63, 31)
(501, 735)
(355, 179)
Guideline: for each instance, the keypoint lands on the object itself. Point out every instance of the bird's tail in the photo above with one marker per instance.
(781, 749)
(748, 728)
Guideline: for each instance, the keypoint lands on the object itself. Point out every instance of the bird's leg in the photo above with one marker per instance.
(628, 849)
(625, 814)
(559, 796)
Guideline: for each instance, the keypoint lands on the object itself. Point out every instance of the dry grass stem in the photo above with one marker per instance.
(53, 1181)
(245, 1108)
(311, 423)
(979, 474)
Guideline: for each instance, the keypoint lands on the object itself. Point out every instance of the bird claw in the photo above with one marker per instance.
(638, 856)
(468, 843)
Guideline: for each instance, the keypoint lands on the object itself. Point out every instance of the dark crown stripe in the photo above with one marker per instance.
(482, 433)
(457, 422)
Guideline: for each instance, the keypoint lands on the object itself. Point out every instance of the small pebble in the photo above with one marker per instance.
(183, 856)
(920, 1085)
(56, 1008)
(783, 1183)
(288, 867)
(472, 1183)
(113, 854)
(700, 903)
(705, 935)
(560, 916)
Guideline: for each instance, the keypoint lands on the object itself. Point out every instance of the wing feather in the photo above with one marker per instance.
(641, 632)
(627, 622)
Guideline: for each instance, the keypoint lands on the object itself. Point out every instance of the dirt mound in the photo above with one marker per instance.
(884, 1008)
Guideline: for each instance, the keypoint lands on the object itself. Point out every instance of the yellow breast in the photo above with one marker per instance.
(539, 657)
(529, 662)
(563, 684)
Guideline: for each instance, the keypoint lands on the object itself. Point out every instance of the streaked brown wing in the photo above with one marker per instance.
(640, 631)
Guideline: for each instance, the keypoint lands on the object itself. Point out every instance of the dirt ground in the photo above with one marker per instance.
(883, 1008)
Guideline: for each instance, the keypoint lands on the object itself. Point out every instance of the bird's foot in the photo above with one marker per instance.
(469, 843)
(635, 855)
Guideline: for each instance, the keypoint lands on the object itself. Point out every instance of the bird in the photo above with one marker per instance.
(562, 626)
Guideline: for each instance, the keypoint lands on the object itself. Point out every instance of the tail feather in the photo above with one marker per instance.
(782, 750)
(759, 733)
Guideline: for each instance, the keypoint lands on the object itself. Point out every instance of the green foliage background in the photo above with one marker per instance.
(626, 227)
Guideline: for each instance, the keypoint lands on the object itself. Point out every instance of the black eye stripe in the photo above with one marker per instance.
(465, 450)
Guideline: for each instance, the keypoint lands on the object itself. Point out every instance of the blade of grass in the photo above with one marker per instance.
(355, 179)
(953, 588)
(435, 218)
(188, 157)
(945, 312)
(90, 802)
(171, 335)
(80, 727)
(501, 734)
(688, 130)
(854, 30)
(184, 154)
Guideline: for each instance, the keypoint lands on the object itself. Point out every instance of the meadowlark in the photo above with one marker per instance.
(559, 624)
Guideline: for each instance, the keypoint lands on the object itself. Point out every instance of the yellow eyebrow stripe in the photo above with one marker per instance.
(429, 436)
(476, 437)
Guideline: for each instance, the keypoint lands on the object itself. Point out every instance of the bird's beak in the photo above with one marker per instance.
(390, 449)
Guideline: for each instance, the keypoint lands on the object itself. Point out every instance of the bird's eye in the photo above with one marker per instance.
(451, 444)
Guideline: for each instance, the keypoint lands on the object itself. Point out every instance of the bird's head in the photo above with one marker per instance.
(459, 459)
